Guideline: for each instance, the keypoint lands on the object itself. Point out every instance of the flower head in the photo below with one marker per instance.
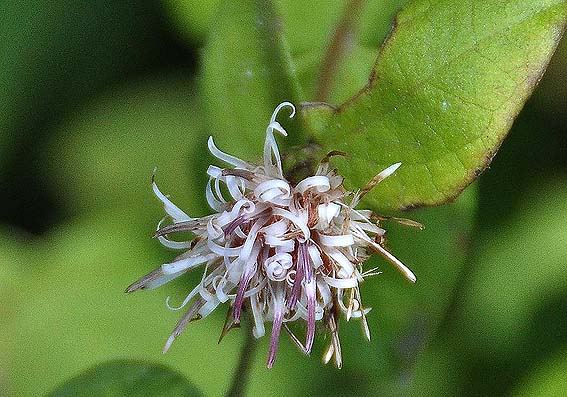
(285, 252)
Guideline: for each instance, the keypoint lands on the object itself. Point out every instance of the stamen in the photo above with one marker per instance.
(229, 324)
(143, 282)
(335, 342)
(401, 221)
(295, 339)
(186, 226)
(365, 327)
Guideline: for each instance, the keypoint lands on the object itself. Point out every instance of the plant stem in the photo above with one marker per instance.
(244, 366)
(342, 40)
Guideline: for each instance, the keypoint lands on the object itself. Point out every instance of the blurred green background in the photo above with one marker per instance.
(93, 95)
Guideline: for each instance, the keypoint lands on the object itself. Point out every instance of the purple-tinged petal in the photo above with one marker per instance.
(295, 290)
(232, 226)
(242, 286)
(276, 328)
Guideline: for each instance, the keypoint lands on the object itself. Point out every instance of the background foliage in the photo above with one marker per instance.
(94, 95)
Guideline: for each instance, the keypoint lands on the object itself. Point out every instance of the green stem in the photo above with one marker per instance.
(244, 366)
(338, 48)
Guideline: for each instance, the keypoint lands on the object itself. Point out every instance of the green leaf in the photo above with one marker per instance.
(309, 30)
(376, 20)
(127, 378)
(443, 93)
(247, 73)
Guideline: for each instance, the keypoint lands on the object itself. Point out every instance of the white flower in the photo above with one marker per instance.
(285, 252)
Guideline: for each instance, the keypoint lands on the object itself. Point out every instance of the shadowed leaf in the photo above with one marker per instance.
(127, 378)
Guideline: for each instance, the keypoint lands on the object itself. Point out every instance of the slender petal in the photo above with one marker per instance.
(310, 290)
(276, 327)
(197, 305)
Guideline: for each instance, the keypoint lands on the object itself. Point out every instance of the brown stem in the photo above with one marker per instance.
(338, 48)
(244, 366)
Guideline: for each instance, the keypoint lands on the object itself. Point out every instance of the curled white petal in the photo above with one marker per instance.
(324, 291)
(343, 283)
(257, 310)
(187, 299)
(320, 183)
(254, 290)
(354, 313)
(209, 307)
(246, 206)
(343, 240)
(214, 231)
(227, 158)
(270, 146)
(272, 189)
(246, 251)
(218, 191)
(327, 212)
(274, 125)
(171, 209)
(346, 266)
(296, 220)
(315, 256)
(176, 245)
(218, 284)
(280, 107)
(277, 266)
(214, 172)
(213, 202)
(222, 250)
(233, 187)
(277, 228)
